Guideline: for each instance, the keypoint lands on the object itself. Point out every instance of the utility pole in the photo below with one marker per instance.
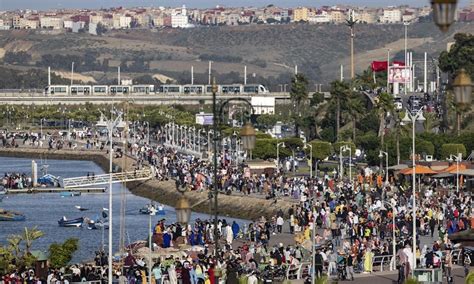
(351, 23)
(210, 72)
(192, 75)
(425, 75)
(72, 74)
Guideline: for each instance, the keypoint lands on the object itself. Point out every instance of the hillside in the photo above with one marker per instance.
(269, 51)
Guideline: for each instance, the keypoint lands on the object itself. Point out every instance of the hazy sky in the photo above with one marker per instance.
(51, 4)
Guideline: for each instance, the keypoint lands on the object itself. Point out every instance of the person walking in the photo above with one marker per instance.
(318, 264)
(279, 223)
(350, 266)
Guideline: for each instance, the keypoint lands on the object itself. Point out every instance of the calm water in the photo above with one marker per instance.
(45, 209)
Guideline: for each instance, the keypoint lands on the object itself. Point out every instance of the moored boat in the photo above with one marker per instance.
(64, 222)
(70, 193)
(6, 215)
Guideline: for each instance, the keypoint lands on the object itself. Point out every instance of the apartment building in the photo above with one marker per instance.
(300, 14)
(391, 15)
(54, 23)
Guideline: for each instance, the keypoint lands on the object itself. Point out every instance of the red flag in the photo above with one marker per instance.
(379, 66)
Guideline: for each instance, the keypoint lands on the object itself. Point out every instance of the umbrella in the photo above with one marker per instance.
(419, 170)
(398, 167)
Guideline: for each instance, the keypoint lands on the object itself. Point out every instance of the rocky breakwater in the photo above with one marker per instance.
(237, 206)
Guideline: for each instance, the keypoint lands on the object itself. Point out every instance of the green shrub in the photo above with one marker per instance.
(338, 145)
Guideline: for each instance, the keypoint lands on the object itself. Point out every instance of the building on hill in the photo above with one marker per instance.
(300, 14)
(391, 15)
(54, 23)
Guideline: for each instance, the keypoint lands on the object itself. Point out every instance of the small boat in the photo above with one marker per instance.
(81, 208)
(11, 216)
(93, 225)
(150, 209)
(70, 193)
(64, 222)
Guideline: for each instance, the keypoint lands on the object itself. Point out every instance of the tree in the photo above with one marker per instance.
(356, 111)
(61, 254)
(339, 93)
(431, 122)
(459, 56)
(321, 149)
(299, 95)
(267, 121)
(385, 106)
(452, 149)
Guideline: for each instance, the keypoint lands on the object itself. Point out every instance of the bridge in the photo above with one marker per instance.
(121, 177)
(17, 97)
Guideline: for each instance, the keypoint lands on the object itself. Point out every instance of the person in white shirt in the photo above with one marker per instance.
(279, 223)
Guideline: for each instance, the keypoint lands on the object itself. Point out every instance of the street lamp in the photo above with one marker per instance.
(381, 154)
(394, 243)
(458, 159)
(183, 209)
(462, 87)
(282, 144)
(343, 149)
(413, 118)
(310, 158)
(247, 136)
(444, 12)
(110, 125)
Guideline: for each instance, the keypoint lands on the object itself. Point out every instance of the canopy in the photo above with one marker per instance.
(419, 170)
(443, 175)
(398, 167)
(453, 169)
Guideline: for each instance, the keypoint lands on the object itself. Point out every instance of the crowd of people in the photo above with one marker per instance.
(351, 221)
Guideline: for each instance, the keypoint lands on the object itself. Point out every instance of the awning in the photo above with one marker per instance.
(443, 175)
(468, 172)
(398, 167)
(419, 170)
(453, 168)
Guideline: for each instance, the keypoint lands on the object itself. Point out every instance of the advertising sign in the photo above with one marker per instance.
(204, 119)
(399, 74)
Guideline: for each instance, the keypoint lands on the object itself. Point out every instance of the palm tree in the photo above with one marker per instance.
(299, 95)
(431, 122)
(339, 93)
(29, 235)
(385, 106)
(355, 109)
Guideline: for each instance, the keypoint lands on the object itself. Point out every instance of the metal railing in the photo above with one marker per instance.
(144, 174)
(297, 272)
(382, 260)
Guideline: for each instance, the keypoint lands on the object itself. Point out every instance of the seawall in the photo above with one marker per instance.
(237, 206)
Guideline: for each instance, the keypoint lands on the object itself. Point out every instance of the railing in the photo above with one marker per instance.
(382, 260)
(457, 257)
(297, 272)
(104, 179)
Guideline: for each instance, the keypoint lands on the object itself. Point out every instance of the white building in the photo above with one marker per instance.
(93, 28)
(391, 15)
(320, 18)
(51, 23)
(4, 26)
(263, 105)
(180, 19)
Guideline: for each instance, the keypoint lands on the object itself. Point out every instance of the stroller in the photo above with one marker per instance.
(341, 267)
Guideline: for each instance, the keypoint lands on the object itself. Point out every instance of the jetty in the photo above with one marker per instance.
(56, 190)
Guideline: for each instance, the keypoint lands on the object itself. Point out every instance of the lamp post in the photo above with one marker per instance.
(406, 24)
(381, 154)
(199, 140)
(111, 125)
(462, 87)
(310, 158)
(282, 144)
(343, 149)
(457, 158)
(247, 134)
(394, 243)
(444, 12)
(150, 234)
(413, 118)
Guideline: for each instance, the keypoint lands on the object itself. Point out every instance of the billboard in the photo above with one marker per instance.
(263, 105)
(204, 119)
(399, 74)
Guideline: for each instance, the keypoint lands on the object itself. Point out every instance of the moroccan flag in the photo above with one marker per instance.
(379, 66)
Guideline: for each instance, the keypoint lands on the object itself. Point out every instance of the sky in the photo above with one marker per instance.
(55, 4)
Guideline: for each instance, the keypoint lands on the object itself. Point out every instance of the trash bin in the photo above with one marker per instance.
(433, 275)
